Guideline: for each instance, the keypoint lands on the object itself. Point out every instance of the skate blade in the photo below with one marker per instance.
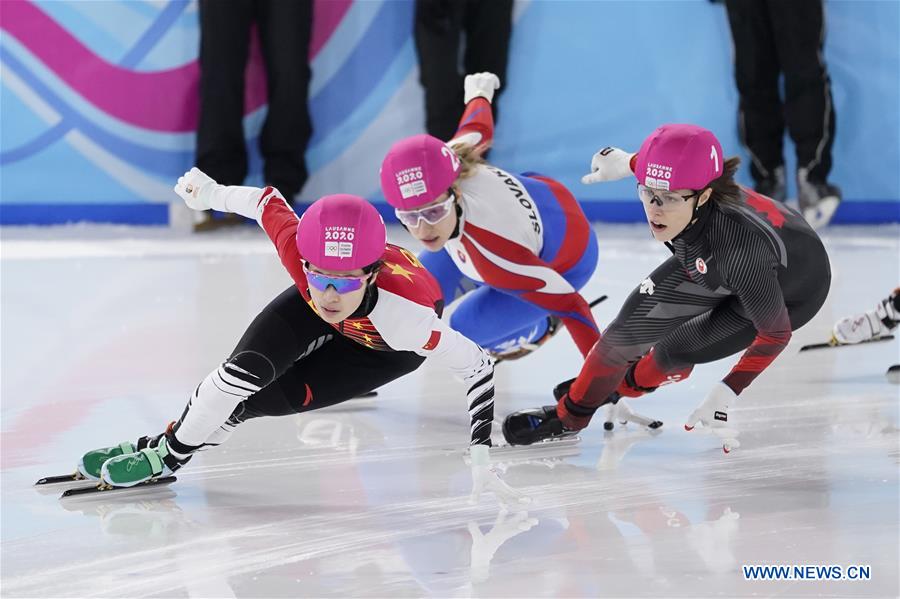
(548, 448)
(104, 489)
(75, 477)
(834, 343)
(52, 485)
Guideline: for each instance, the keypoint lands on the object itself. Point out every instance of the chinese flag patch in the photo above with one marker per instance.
(433, 340)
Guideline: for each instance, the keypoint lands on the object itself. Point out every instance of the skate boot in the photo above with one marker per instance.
(774, 185)
(523, 349)
(91, 462)
(537, 424)
(534, 425)
(818, 199)
(869, 325)
(154, 461)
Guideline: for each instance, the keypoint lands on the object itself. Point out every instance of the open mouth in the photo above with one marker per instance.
(330, 311)
(431, 240)
(657, 227)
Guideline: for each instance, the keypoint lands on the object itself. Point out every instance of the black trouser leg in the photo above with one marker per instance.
(285, 28)
(438, 27)
(488, 26)
(756, 72)
(224, 43)
(798, 28)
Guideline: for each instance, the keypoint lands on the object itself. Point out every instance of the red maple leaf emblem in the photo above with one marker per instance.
(766, 207)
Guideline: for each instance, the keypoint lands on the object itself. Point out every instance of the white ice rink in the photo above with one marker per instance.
(106, 331)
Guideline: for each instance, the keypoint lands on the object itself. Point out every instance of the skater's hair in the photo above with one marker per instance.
(725, 190)
(374, 267)
(470, 157)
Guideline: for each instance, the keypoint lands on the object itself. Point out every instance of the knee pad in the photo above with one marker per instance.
(251, 367)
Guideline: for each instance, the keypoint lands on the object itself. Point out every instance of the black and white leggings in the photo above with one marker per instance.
(288, 361)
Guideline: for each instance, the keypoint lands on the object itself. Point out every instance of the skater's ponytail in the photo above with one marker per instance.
(725, 190)
(470, 158)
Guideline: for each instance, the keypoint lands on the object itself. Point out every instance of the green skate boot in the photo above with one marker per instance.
(91, 462)
(138, 467)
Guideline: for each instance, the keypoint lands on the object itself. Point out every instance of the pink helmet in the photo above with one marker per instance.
(341, 232)
(417, 170)
(679, 157)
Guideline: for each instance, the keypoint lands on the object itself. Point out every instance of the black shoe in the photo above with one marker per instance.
(773, 186)
(534, 425)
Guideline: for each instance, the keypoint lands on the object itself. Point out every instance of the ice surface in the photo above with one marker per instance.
(106, 331)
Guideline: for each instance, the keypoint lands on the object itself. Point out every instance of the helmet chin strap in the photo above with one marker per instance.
(697, 215)
(455, 232)
(368, 301)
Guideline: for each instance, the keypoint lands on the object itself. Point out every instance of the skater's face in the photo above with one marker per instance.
(670, 212)
(436, 220)
(341, 298)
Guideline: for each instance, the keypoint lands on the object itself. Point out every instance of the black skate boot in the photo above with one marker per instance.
(534, 425)
(537, 424)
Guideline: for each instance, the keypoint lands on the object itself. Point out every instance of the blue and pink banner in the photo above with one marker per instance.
(99, 98)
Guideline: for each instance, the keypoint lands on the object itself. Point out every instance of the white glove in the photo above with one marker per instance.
(484, 478)
(195, 187)
(480, 85)
(713, 415)
(609, 164)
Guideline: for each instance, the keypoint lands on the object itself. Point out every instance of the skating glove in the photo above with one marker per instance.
(196, 189)
(713, 415)
(480, 85)
(609, 164)
(484, 478)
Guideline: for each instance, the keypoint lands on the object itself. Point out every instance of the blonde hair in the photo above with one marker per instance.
(470, 157)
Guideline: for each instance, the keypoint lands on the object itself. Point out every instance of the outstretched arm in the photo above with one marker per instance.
(264, 205)
(476, 127)
(610, 164)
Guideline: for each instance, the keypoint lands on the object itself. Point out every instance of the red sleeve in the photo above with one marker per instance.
(279, 221)
(478, 118)
(754, 277)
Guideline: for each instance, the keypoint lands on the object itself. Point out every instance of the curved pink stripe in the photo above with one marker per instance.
(162, 100)
(142, 99)
(327, 15)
